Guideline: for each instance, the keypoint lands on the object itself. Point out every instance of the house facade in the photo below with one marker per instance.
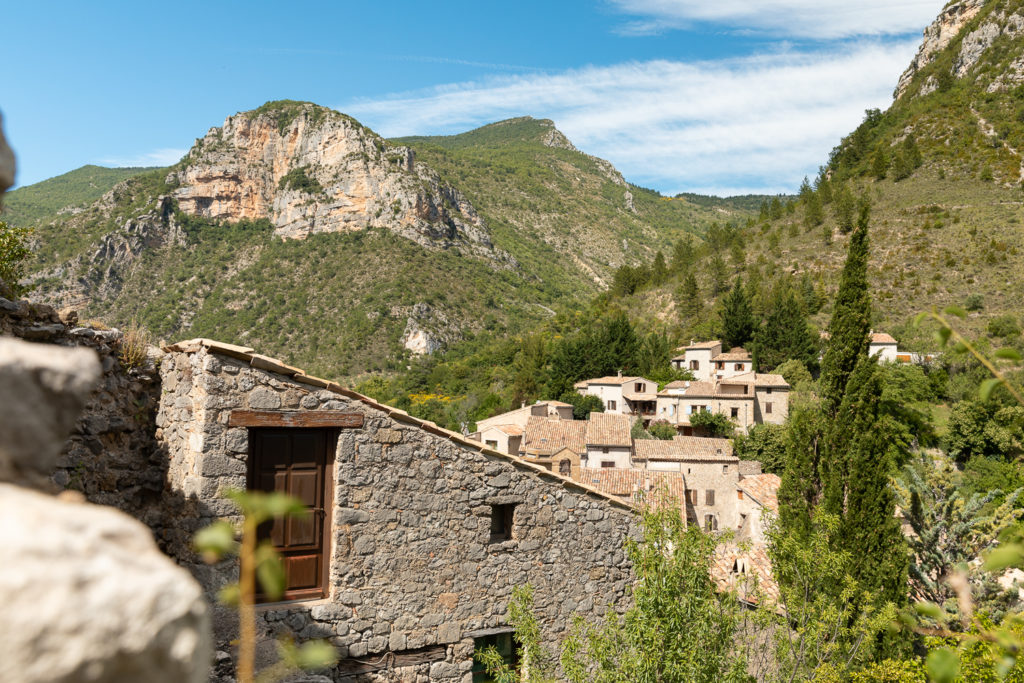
(623, 395)
(609, 442)
(417, 534)
(707, 362)
(747, 399)
(520, 416)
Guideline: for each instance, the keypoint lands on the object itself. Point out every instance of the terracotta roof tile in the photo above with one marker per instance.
(683, 448)
(882, 338)
(610, 379)
(548, 435)
(606, 429)
(704, 345)
(764, 488)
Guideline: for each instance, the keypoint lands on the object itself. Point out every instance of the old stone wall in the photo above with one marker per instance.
(411, 562)
(111, 455)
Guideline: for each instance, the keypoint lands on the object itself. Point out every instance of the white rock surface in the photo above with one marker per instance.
(43, 388)
(87, 596)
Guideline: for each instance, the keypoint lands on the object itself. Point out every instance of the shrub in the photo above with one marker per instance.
(975, 302)
(14, 253)
(1003, 326)
(134, 343)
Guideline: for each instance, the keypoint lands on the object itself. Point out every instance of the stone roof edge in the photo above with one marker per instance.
(269, 364)
(756, 498)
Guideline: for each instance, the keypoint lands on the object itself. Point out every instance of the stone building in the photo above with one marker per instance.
(707, 362)
(622, 395)
(747, 399)
(418, 534)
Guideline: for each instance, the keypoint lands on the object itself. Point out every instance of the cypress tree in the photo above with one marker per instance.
(858, 489)
(659, 270)
(737, 317)
(851, 320)
(800, 487)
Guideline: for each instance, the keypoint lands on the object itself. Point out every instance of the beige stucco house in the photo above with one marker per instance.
(747, 399)
(609, 444)
(707, 362)
(623, 395)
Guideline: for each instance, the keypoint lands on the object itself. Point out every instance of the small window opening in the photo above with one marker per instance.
(768, 408)
(607, 463)
(565, 468)
(502, 517)
(709, 497)
(502, 642)
(492, 444)
(768, 390)
(735, 413)
(725, 469)
(710, 523)
(739, 494)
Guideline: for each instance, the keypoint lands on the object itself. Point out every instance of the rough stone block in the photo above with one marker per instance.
(449, 633)
(388, 436)
(264, 398)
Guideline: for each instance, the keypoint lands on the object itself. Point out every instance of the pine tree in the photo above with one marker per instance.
(659, 270)
(813, 214)
(737, 317)
(682, 255)
(845, 207)
(880, 164)
(688, 297)
(851, 320)
(784, 334)
(718, 272)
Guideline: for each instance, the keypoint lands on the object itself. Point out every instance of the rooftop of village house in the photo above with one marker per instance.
(684, 448)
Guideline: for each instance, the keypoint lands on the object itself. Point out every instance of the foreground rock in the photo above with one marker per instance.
(42, 391)
(88, 597)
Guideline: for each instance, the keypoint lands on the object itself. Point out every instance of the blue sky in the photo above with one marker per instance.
(681, 95)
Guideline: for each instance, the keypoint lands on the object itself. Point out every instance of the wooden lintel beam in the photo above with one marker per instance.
(392, 660)
(295, 418)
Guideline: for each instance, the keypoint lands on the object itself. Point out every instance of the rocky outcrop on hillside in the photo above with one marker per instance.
(311, 170)
(937, 36)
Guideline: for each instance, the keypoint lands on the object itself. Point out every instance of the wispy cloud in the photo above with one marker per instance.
(164, 156)
(748, 124)
(814, 19)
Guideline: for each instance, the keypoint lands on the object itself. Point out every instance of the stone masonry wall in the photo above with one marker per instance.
(411, 563)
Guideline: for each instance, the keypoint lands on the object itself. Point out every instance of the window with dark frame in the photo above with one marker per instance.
(692, 495)
(502, 519)
(735, 412)
(768, 408)
(710, 523)
(607, 463)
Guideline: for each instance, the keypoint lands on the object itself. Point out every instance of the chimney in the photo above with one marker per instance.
(620, 372)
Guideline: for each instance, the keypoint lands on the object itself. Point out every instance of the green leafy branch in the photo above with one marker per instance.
(258, 562)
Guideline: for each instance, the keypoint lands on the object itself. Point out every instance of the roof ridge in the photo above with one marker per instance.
(269, 364)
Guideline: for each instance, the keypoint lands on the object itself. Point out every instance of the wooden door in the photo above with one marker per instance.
(296, 462)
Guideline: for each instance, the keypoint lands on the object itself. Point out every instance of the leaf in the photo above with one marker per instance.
(943, 665)
(1009, 555)
(942, 335)
(920, 317)
(270, 571)
(955, 310)
(316, 654)
(1008, 354)
(215, 541)
(985, 390)
(229, 595)
(930, 610)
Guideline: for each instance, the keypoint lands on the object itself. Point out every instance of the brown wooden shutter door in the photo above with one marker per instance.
(296, 462)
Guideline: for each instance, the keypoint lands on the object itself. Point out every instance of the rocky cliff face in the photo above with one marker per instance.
(994, 22)
(310, 170)
(937, 36)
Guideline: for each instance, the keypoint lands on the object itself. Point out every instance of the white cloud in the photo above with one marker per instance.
(164, 156)
(815, 19)
(746, 124)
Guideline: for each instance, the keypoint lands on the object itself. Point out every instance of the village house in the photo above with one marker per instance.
(417, 535)
(520, 416)
(707, 363)
(747, 399)
(623, 395)
(555, 444)
(609, 441)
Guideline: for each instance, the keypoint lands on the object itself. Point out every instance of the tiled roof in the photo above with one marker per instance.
(610, 379)
(557, 404)
(640, 397)
(684, 448)
(548, 435)
(738, 353)
(882, 338)
(606, 429)
(704, 345)
(764, 488)
(622, 482)
(511, 430)
(746, 570)
(268, 364)
(678, 384)
(761, 379)
(713, 389)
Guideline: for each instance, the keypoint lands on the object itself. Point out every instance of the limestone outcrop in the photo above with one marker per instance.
(311, 170)
(937, 36)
